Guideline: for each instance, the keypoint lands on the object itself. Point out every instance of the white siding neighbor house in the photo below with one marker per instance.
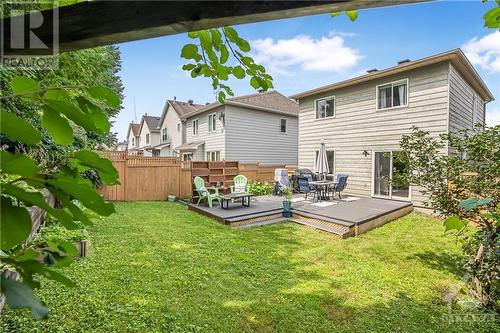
(149, 135)
(133, 138)
(262, 127)
(362, 120)
(172, 125)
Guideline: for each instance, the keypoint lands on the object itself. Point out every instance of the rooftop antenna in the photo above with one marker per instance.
(135, 113)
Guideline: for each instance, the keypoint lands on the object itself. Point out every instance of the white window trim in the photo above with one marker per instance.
(215, 121)
(197, 126)
(148, 138)
(334, 107)
(392, 84)
(390, 197)
(286, 125)
(332, 169)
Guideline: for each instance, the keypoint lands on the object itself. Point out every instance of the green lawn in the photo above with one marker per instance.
(157, 267)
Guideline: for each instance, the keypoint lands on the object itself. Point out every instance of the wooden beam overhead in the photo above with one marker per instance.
(97, 23)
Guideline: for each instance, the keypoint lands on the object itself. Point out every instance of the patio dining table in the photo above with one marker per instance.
(322, 187)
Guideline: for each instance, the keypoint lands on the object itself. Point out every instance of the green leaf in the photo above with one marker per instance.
(205, 40)
(15, 226)
(231, 34)
(106, 95)
(454, 223)
(254, 82)
(492, 18)
(56, 276)
(221, 97)
(104, 166)
(19, 295)
(188, 67)
(17, 164)
(224, 54)
(95, 113)
(189, 51)
(84, 193)
(333, 14)
(57, 95)
(37, 199)
(19, 129)
(78, 214)
(238, 72)
(26, 86)
(72, 112)
(57, 126)
(63, 246)
(352, 14)
(243, 45)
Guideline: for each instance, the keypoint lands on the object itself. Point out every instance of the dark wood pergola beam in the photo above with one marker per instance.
(97, 23)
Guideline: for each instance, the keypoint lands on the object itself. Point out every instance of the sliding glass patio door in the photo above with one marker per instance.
(389, 168)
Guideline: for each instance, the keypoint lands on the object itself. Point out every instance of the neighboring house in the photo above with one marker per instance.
(260, 127)
(172, 127)
(149, 135)
(133, 138)
(363, 119)
(121, 146)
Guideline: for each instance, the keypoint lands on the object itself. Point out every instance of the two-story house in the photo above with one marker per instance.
(133, 138)
(260, 127)
(172, 125)
(149, 135)
(362, 120)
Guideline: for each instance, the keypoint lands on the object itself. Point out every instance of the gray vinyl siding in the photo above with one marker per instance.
(358, 126)
(214, 141)
(255, 136)
(466, 106)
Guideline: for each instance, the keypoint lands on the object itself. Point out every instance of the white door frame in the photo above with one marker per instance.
(390, 197)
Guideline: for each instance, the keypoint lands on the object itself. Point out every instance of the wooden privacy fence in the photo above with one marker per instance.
(155, 178)
(148, 178)
(262, 172)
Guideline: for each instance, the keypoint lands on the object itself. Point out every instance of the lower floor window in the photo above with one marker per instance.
(213, 155)
(156, 152)
(187, 156)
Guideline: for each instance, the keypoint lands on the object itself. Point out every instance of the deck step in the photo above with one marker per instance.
(306, 214)
(253, 215)
(253, 219)
(266, 222)
(332, 228)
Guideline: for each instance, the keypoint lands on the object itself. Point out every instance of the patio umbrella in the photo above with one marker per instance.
(322, 163)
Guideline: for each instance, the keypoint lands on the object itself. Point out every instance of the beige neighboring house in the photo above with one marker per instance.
(172, 126)
(363, 119)
(260, 127)
(149, 135)
(133, 138)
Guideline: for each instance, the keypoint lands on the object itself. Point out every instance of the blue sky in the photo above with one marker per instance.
(308, 52)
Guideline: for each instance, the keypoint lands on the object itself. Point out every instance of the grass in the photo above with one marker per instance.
(157, 267)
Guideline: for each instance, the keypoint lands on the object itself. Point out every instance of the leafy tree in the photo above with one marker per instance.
(464, 188)
(24, 183)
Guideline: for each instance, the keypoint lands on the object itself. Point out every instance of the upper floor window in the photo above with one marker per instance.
(133, 142)
(164, 134)
(178, 127)
(392, 95)
(283, 125)
(195, 127)
(211, 122)
(147, 138)
(325, 107)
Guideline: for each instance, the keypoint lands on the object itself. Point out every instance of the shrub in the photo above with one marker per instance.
(261, 188)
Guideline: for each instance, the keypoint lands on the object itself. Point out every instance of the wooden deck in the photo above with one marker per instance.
(343, 218)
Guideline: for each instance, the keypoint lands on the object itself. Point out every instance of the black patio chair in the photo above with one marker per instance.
(303, 187)
(340, 186)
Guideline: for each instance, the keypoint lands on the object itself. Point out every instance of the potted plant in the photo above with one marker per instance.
(287, 203)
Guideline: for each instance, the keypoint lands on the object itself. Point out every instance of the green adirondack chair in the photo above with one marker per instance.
(203, 193)
(240, 184)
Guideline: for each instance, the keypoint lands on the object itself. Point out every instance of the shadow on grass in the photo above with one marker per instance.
(442, 261)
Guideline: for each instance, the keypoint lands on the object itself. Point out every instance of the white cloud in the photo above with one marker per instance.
(484, 51)
(306, 53)
(493, 117)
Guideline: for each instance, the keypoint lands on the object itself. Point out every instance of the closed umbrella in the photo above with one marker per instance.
(322, 163)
